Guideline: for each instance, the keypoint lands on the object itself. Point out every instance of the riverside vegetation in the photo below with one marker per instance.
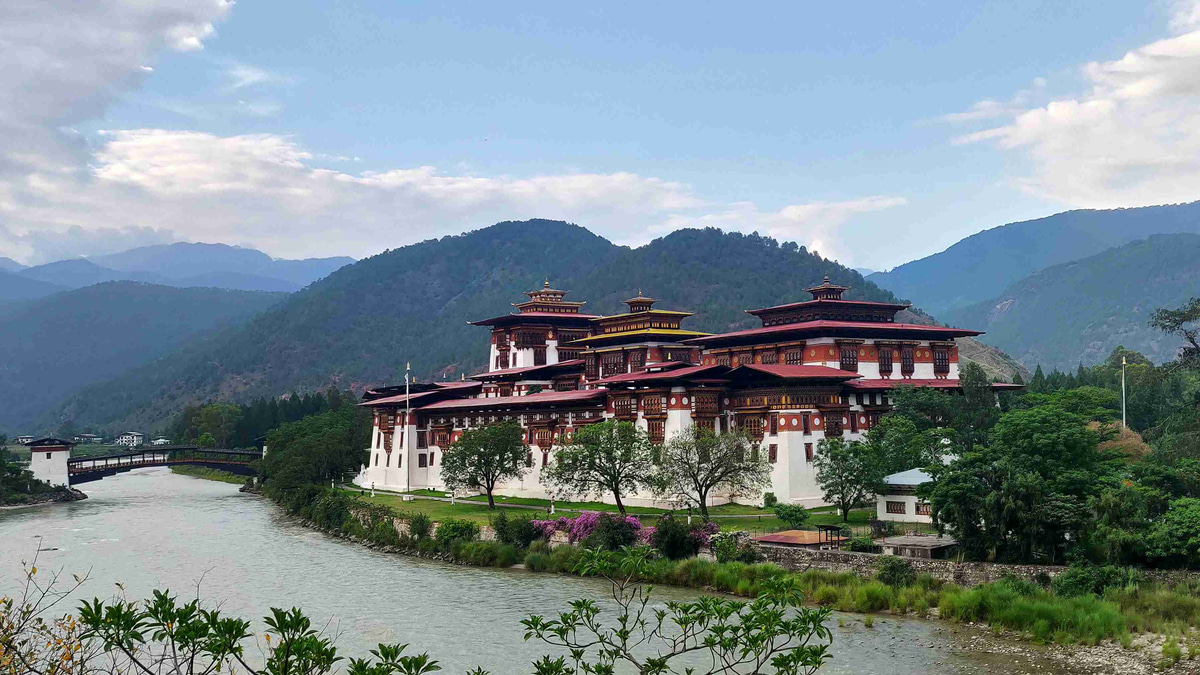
(161, 635)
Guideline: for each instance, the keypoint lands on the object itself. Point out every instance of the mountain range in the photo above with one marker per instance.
(361, 324)
(1077, 312)
(183, 265)
(59, 343)
(983, 265)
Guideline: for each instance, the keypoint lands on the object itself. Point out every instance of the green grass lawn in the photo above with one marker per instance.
(208, 473)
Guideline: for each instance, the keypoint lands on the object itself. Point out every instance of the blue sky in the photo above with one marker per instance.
(875, 133)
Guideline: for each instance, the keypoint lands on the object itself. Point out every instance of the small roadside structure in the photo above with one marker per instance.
(926, 546)
(161, 441)
(899, 502)
(821, 540)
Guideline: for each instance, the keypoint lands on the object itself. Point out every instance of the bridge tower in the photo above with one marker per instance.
(49, 461)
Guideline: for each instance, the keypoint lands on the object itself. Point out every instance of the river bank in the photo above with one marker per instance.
(151, 529)
(1045, 637)
(57, 497)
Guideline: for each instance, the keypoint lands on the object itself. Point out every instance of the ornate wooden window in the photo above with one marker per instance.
(808, 452)
(723, 360)
(566, 384)
(794, 357)
(705, 403)
(501, 360)
(568, 354)
(885, 361)
(531, 338)
(422, 439)
(657, 431)
(853, 422)
(591, 368)
(924, 509)
(612, 363)
(752, 425)
(849, 358)
(624, 407)
(773, 424)
(653, 405)
(833, 425)
(539, 356)
(772, 453)
(506, 390)
(906, 361)
(637, 360)
(806, 420)
(684, 355)
(896, 508)
(941, 360)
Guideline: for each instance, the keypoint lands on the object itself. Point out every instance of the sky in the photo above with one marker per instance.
(874, 133)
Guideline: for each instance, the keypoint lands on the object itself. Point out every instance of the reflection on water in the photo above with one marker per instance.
(151, 529)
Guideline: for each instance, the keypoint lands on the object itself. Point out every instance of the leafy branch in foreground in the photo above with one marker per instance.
(708, 635)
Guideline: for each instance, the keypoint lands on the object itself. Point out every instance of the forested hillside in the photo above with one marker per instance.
(359, 326)
(983, 265)
(1079, 311)
(52, 346)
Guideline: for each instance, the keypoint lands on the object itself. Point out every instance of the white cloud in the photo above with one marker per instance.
(1132, 138)
(62, 194)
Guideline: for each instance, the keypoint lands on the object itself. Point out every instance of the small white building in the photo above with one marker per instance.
(89, 438)
(161, 441)
(22, 440)
(899, 501)
(48, 460)
(130, 438)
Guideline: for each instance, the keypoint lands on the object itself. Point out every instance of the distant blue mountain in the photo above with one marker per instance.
(983, 265)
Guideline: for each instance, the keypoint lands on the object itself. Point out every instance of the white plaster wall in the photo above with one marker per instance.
(52, 469)
(910, 509)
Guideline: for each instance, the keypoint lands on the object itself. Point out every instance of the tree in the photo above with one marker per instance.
(220, 420)
(483, 457)
(607, 458)
(695, 463)
(848, 473)
(978, 412)
(773, 633)
(206, 440)
(1175, 538)
(1176, 322)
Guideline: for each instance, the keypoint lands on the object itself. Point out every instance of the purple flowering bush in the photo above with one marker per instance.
(613, 530)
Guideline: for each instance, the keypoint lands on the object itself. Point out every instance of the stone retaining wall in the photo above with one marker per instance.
(962, 573)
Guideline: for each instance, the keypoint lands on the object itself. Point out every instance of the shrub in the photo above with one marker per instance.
(694, 572)
(518, 531)
(506, 555)
(454, 529)
(863, 544)
(479, 553)
(611, 532)
(1084, 579)
(563, 559)
(894, 571)
(673, 538)
(770, 500)
(541, 546)
(734, 546)
(827, 595)
(581, 527)
(795, 516)
(537, 562)
(419, 526)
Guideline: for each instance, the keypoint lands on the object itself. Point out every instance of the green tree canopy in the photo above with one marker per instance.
(482, 458)
(696, 464)
(611, 457)
(849, 472)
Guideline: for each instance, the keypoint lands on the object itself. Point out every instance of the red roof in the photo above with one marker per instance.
(392, 400)
(525, 370)
(797, 372)
(544, 398)
(805, 303)
(507, 318)
(825, 326)
(669, 374)
(935, 384)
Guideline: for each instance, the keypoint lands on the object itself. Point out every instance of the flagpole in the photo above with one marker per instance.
(1123, 423)
(407, 423)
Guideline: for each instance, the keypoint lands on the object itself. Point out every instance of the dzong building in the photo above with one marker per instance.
(818, 368)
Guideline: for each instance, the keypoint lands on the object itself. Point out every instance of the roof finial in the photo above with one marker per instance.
(546, 283)
(639, 292)
(826, 278)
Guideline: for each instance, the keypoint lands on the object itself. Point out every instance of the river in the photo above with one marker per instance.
(150, 528)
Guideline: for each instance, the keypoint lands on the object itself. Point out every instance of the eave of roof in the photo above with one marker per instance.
(659, 376)
(824, 326)
(934, 384)
(529, 400)
(647, 312)
(529, 370)
(794, 372)
(836, 303)
(666, 332)
(515, 318)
